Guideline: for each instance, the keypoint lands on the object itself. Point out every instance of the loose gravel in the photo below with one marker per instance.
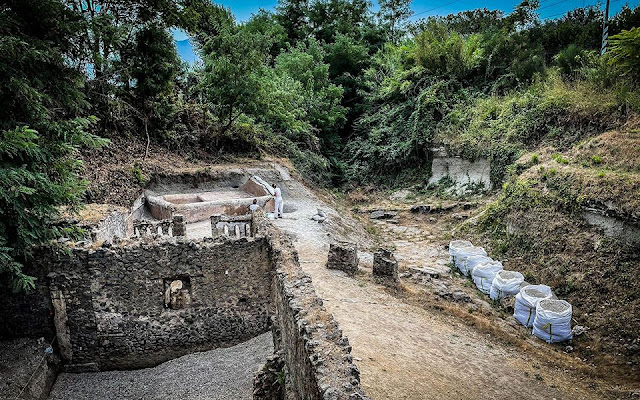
(535, 293)
(557, 306)
(220, 374)
(508, 274)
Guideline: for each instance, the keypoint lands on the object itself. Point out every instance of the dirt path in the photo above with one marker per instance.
(407, 352)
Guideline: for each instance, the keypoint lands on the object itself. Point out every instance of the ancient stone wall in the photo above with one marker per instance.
(141, 303)
(318, 359)
(116, 224)
(26, 314)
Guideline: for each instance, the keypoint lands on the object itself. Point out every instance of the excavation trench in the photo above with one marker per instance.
(187, 304)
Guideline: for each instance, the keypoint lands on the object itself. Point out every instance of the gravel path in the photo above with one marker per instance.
(218, 374)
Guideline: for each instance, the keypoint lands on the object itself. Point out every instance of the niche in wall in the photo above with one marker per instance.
(177, 292)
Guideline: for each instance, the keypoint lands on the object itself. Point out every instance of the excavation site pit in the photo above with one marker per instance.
(185, 294)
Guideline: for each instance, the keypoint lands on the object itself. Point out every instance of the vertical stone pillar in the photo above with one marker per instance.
(179, 226)
(225, 229)
(214, 224)
(343, 256)
(63, 335)
(247, 230)
(236, 230)
(385, 265)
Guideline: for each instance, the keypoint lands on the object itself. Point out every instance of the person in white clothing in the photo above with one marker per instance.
(254, 206)
(278, 200)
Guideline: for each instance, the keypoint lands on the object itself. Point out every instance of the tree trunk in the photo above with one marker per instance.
(146, 131)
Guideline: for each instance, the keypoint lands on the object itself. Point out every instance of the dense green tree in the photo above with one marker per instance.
(203, 19)
(293, 16)
(266, 24)
(154, 66)
(329, 18)
(305, 64)
(624, 52)
(41, 128)
(395, 14)
(234, 60)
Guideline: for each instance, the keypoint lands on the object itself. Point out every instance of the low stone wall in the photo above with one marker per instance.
(115, 225)
(141, 303)
(317, 356)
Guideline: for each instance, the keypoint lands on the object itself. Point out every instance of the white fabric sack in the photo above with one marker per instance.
(506, 284)
(484, 273)
(553, 320)
(524, 309)
(456, 245)
(462, 254)
(472, 262)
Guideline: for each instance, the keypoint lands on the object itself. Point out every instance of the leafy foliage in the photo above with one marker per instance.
(346, 93)
(41, 128)
(625, 52)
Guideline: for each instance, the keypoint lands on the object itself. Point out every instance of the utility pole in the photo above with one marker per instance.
(605, 30)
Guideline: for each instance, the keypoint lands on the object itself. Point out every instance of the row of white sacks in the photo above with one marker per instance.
(534, 306)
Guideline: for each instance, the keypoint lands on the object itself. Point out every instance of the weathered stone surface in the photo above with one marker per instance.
(113, 308)
(385, 265)
(317, 356)
(381, 214)
(399, 195)
(344, 257)
(421, 209)
(179, 225)
(141, 303)
(465, 174)
(268, 383)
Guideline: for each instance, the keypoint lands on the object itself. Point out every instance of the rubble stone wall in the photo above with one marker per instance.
(138, 304)
(317, 356)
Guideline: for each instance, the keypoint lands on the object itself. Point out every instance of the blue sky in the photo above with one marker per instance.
(242, 9)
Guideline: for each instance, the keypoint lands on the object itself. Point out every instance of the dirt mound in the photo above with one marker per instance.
(540, 225)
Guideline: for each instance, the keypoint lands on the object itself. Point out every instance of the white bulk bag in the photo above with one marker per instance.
(505, 284)
(472, 262)
(524, 308)
(553, 320)
(462, 254)
(456, 245)
(484, 273)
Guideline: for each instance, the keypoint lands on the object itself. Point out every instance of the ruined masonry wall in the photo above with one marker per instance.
(317, 356)
(120, 307)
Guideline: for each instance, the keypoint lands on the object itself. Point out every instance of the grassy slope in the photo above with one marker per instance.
(537, 225)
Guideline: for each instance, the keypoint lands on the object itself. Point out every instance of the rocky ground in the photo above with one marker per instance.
(27, 368)
(220, 374)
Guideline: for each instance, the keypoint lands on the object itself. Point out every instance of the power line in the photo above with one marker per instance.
(553, 4)
(435, 8)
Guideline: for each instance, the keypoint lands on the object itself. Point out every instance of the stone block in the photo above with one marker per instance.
(344, 257)
(382, 214)
(179, 225)
(385, 265)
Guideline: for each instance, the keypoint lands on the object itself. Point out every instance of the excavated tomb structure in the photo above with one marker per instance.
(188, 268)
